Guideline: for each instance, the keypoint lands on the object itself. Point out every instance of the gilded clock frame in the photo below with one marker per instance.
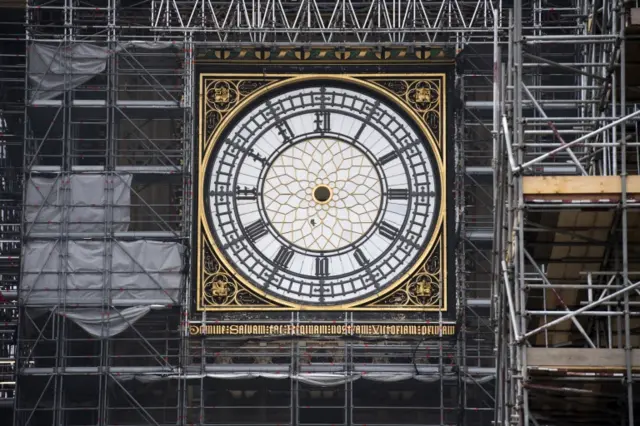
(223, 96)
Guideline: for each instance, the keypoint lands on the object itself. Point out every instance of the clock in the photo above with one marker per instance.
(322, 194)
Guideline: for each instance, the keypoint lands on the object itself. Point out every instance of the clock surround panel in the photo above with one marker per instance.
(417, 106)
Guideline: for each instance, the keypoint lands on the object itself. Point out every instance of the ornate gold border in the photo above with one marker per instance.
(407, 283)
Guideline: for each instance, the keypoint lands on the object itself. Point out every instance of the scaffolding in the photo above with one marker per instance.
(97, 169)
(12, 74)
(566, 220)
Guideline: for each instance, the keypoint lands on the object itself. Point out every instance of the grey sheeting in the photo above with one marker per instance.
(123, 273)
(85, 198)
(109, 323)
(54, 67)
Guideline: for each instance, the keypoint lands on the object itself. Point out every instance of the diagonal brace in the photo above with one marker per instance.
(581, 139)
(579, 311)
(554, 129)
(564, 305)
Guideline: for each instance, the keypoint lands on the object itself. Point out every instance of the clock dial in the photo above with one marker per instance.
(322, 195)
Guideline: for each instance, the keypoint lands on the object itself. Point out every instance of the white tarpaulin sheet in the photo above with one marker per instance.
(52, 67)
(108, 323)
(314, 379)
(120, 273)
(87, 200)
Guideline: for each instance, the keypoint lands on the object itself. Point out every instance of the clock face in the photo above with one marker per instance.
(322, 195)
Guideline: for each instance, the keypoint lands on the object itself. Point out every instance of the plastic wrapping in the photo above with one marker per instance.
(56, 67)
(80, 202)
(117, 273)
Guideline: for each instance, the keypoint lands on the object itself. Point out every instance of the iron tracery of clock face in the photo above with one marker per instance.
(322, 195)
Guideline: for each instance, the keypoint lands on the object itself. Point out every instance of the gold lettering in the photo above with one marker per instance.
(321, 329)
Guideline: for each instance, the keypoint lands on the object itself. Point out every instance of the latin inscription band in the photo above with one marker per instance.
(321, 329)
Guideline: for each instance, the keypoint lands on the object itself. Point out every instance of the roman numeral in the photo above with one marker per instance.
(388, 158)
(246, 193)
(250, 152)
(323, 121)
(256, 230)
(398, 194)
(322, 266)
(388, 231)
(360, 257)
(284, 130)
(283, 257)
(370, 113)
